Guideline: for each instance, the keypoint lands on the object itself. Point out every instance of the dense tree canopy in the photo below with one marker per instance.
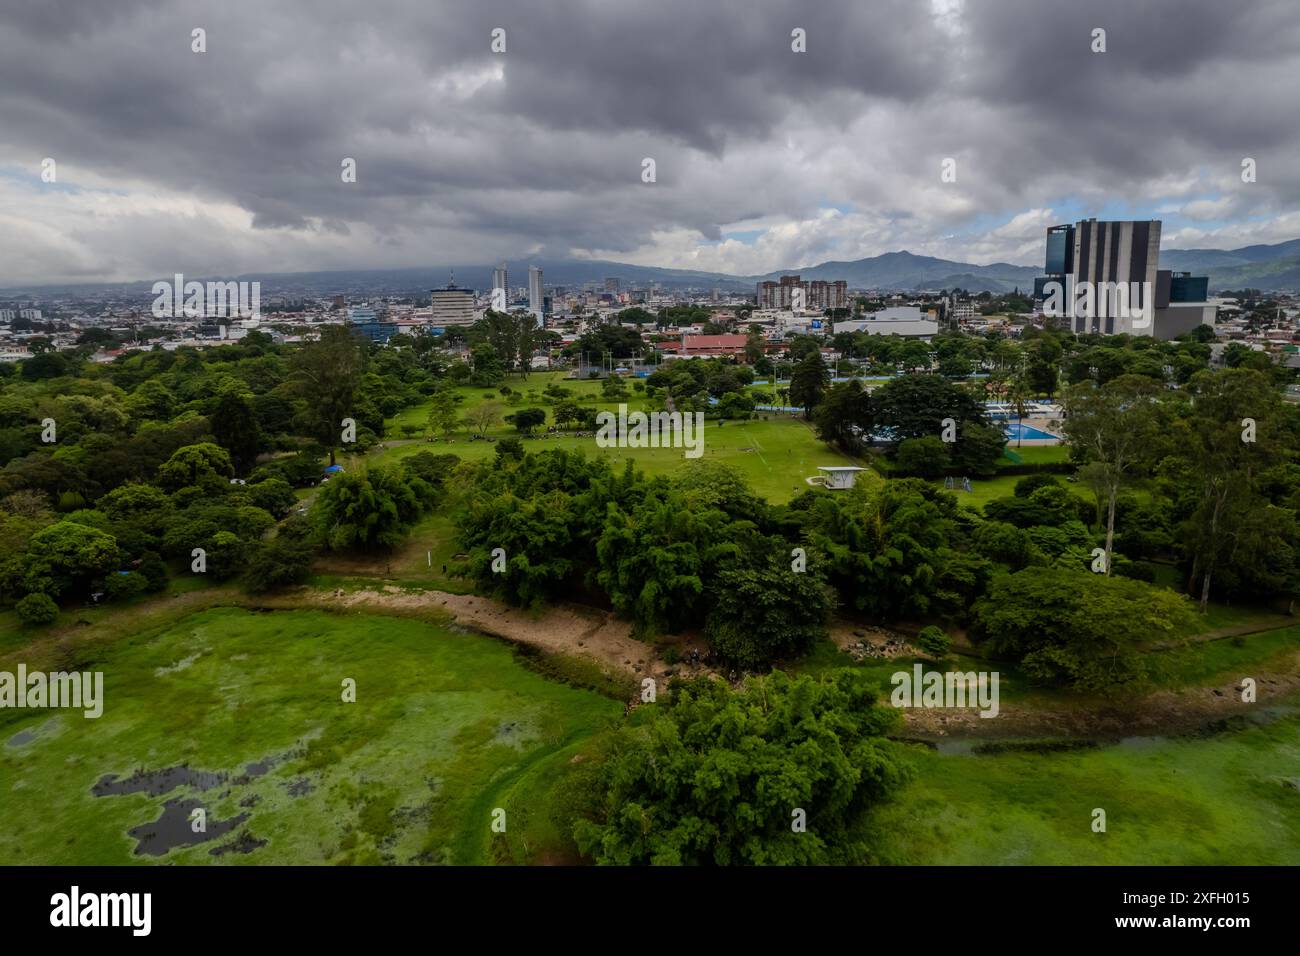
(717, 777)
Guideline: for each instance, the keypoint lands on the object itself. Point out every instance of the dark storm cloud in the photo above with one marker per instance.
(463, 153)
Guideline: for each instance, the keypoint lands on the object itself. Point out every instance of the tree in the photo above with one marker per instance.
(277, 564)
(764, 612)
(442, 413)
(66, 557)
(202, 465)
(530, 522)
(656, 559)
(236, 427)
(528, 420)
(327, 374)
(501, 331)
(370, 509)
(566, 411)
(922, 457)
(36, 610)
(735, 405)
(1018, 396)
(1043, 369)
(1115, 425)
(226, 552)
(809, 382)
(977, 449)
(933, 641)
(712, 776)
(45, 365)
(1077, 628)
(483, 416)
(914, 406)
(886, 550)
(274, 496)
(432, 468)
(843, 417)
(529, 336)
(1228, 407)
(510, 448)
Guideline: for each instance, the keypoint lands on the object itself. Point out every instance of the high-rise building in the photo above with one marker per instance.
(611, 285)
(1127, 292)
(367, 320)
(451, 305)
(501, 278)
(818, 294)
(536, 303)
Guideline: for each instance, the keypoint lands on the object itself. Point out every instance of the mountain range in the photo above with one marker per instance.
(1270, 268)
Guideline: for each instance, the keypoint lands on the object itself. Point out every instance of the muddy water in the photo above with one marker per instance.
(24, 737)
(173, 828)
(155, 783)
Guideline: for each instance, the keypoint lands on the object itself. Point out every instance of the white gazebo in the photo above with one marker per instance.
(836, 476)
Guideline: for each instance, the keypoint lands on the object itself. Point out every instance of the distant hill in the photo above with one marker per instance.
(906, 272)
(1267, 267)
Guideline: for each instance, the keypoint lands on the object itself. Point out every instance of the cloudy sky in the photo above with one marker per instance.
(229, 161)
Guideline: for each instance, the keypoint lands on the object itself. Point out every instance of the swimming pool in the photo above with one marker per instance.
(1019, 430)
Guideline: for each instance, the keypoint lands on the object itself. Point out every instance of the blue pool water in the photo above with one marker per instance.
(1016, 430)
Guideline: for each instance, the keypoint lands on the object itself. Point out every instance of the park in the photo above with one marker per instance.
(483, 686)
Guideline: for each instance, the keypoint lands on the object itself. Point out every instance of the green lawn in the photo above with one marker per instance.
(447, 726)
(1039, 454)
(1226, 800)
(774, 452)
(984, 490)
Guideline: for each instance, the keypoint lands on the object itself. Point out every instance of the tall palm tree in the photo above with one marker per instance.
(1019, 396)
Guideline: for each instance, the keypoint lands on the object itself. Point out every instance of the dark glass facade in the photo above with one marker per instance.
(1189, 288)
(1060, 250)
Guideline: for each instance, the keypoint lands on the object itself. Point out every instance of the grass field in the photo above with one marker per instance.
(446, 727)
(1228, 800)
(774, 452)
(449, 726)
(984, 490)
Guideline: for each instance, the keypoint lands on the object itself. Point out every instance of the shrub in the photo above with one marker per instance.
(154, 571)
(277, 564)
(37, 610)
(124, 585)
(510, 448)
(934, 642)
(1028, 485)
(274, 495)
(922, 457)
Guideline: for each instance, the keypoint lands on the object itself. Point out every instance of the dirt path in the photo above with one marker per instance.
(558, 629)
(600, 636)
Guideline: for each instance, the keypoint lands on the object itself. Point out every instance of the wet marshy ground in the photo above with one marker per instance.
(174, 828)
